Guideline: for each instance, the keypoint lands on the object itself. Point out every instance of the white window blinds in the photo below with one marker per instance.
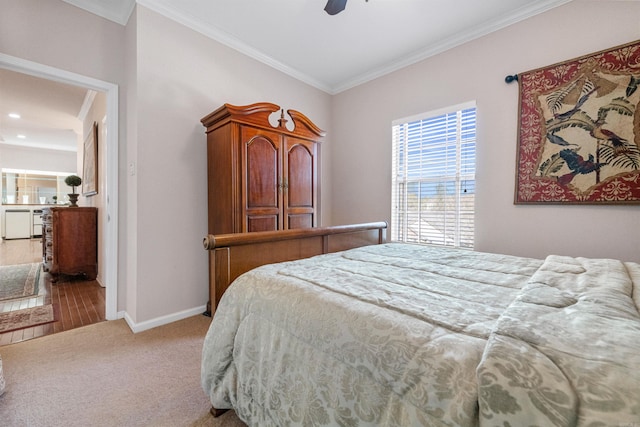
(433, 188)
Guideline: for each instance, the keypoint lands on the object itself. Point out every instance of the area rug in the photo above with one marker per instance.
(19, 281)
(19, 319)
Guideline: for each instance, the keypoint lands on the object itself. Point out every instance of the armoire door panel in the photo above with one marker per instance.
(300, 221)
(300, 176)
(262, 223)
(263, 169)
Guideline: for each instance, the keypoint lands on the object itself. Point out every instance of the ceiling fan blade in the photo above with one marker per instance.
(335, 6)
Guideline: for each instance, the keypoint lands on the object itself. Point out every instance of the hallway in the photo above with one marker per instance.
(76, 302)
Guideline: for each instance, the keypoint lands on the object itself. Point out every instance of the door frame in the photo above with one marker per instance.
(111, 225)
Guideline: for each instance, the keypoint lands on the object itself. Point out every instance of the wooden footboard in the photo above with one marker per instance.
(230, 255)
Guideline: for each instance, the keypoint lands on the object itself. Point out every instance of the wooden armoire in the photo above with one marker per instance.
(261, 176)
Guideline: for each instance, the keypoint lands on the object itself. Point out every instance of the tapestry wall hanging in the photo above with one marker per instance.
(579, 130)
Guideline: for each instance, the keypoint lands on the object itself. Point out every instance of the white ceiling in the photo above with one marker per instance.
(368, 39)
(49, 112)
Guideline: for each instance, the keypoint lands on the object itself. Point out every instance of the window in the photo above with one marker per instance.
(433, 183)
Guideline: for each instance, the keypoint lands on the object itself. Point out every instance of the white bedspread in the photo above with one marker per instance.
(3, 384)
(567, 350)
(394, 334)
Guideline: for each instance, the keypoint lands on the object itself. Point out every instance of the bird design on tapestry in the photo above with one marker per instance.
(599, 132)
(578, 93)
(612, 149)
(634, 82)
(577, 164)
(558, 140)
(576, 108)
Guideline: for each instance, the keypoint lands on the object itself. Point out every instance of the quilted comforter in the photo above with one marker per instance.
(404, 335)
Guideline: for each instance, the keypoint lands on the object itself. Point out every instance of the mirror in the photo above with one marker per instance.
(25, 187)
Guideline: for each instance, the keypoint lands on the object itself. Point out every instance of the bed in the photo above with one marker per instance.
(401, 334)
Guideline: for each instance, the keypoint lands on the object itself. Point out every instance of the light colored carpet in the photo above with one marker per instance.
(25, 318)
(19, 281)
(104, 375)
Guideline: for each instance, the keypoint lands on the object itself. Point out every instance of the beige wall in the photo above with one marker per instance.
(361, 123)
(127, 265)
(15, 157)
(181, 77)
(59, 35)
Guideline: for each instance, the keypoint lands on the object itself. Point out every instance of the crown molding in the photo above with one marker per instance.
(170, 10)
(452, 42)
(116, 11)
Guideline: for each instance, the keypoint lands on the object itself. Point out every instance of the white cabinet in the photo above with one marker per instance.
(17, 224)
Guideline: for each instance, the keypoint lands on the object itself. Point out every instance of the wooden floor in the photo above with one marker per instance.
(76, 302)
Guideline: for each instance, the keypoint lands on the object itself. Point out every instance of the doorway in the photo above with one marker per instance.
(110, 213)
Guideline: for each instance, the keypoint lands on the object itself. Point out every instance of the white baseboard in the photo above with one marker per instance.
(159, 321)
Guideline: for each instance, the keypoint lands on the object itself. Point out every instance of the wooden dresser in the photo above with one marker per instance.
(261, 177)
(69, 241)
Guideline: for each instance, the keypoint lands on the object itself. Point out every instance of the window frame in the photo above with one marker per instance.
(401, 218)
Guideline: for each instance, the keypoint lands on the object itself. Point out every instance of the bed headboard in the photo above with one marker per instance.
(230, 255)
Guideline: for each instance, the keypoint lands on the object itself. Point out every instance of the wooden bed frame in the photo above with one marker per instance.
(230, 255)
